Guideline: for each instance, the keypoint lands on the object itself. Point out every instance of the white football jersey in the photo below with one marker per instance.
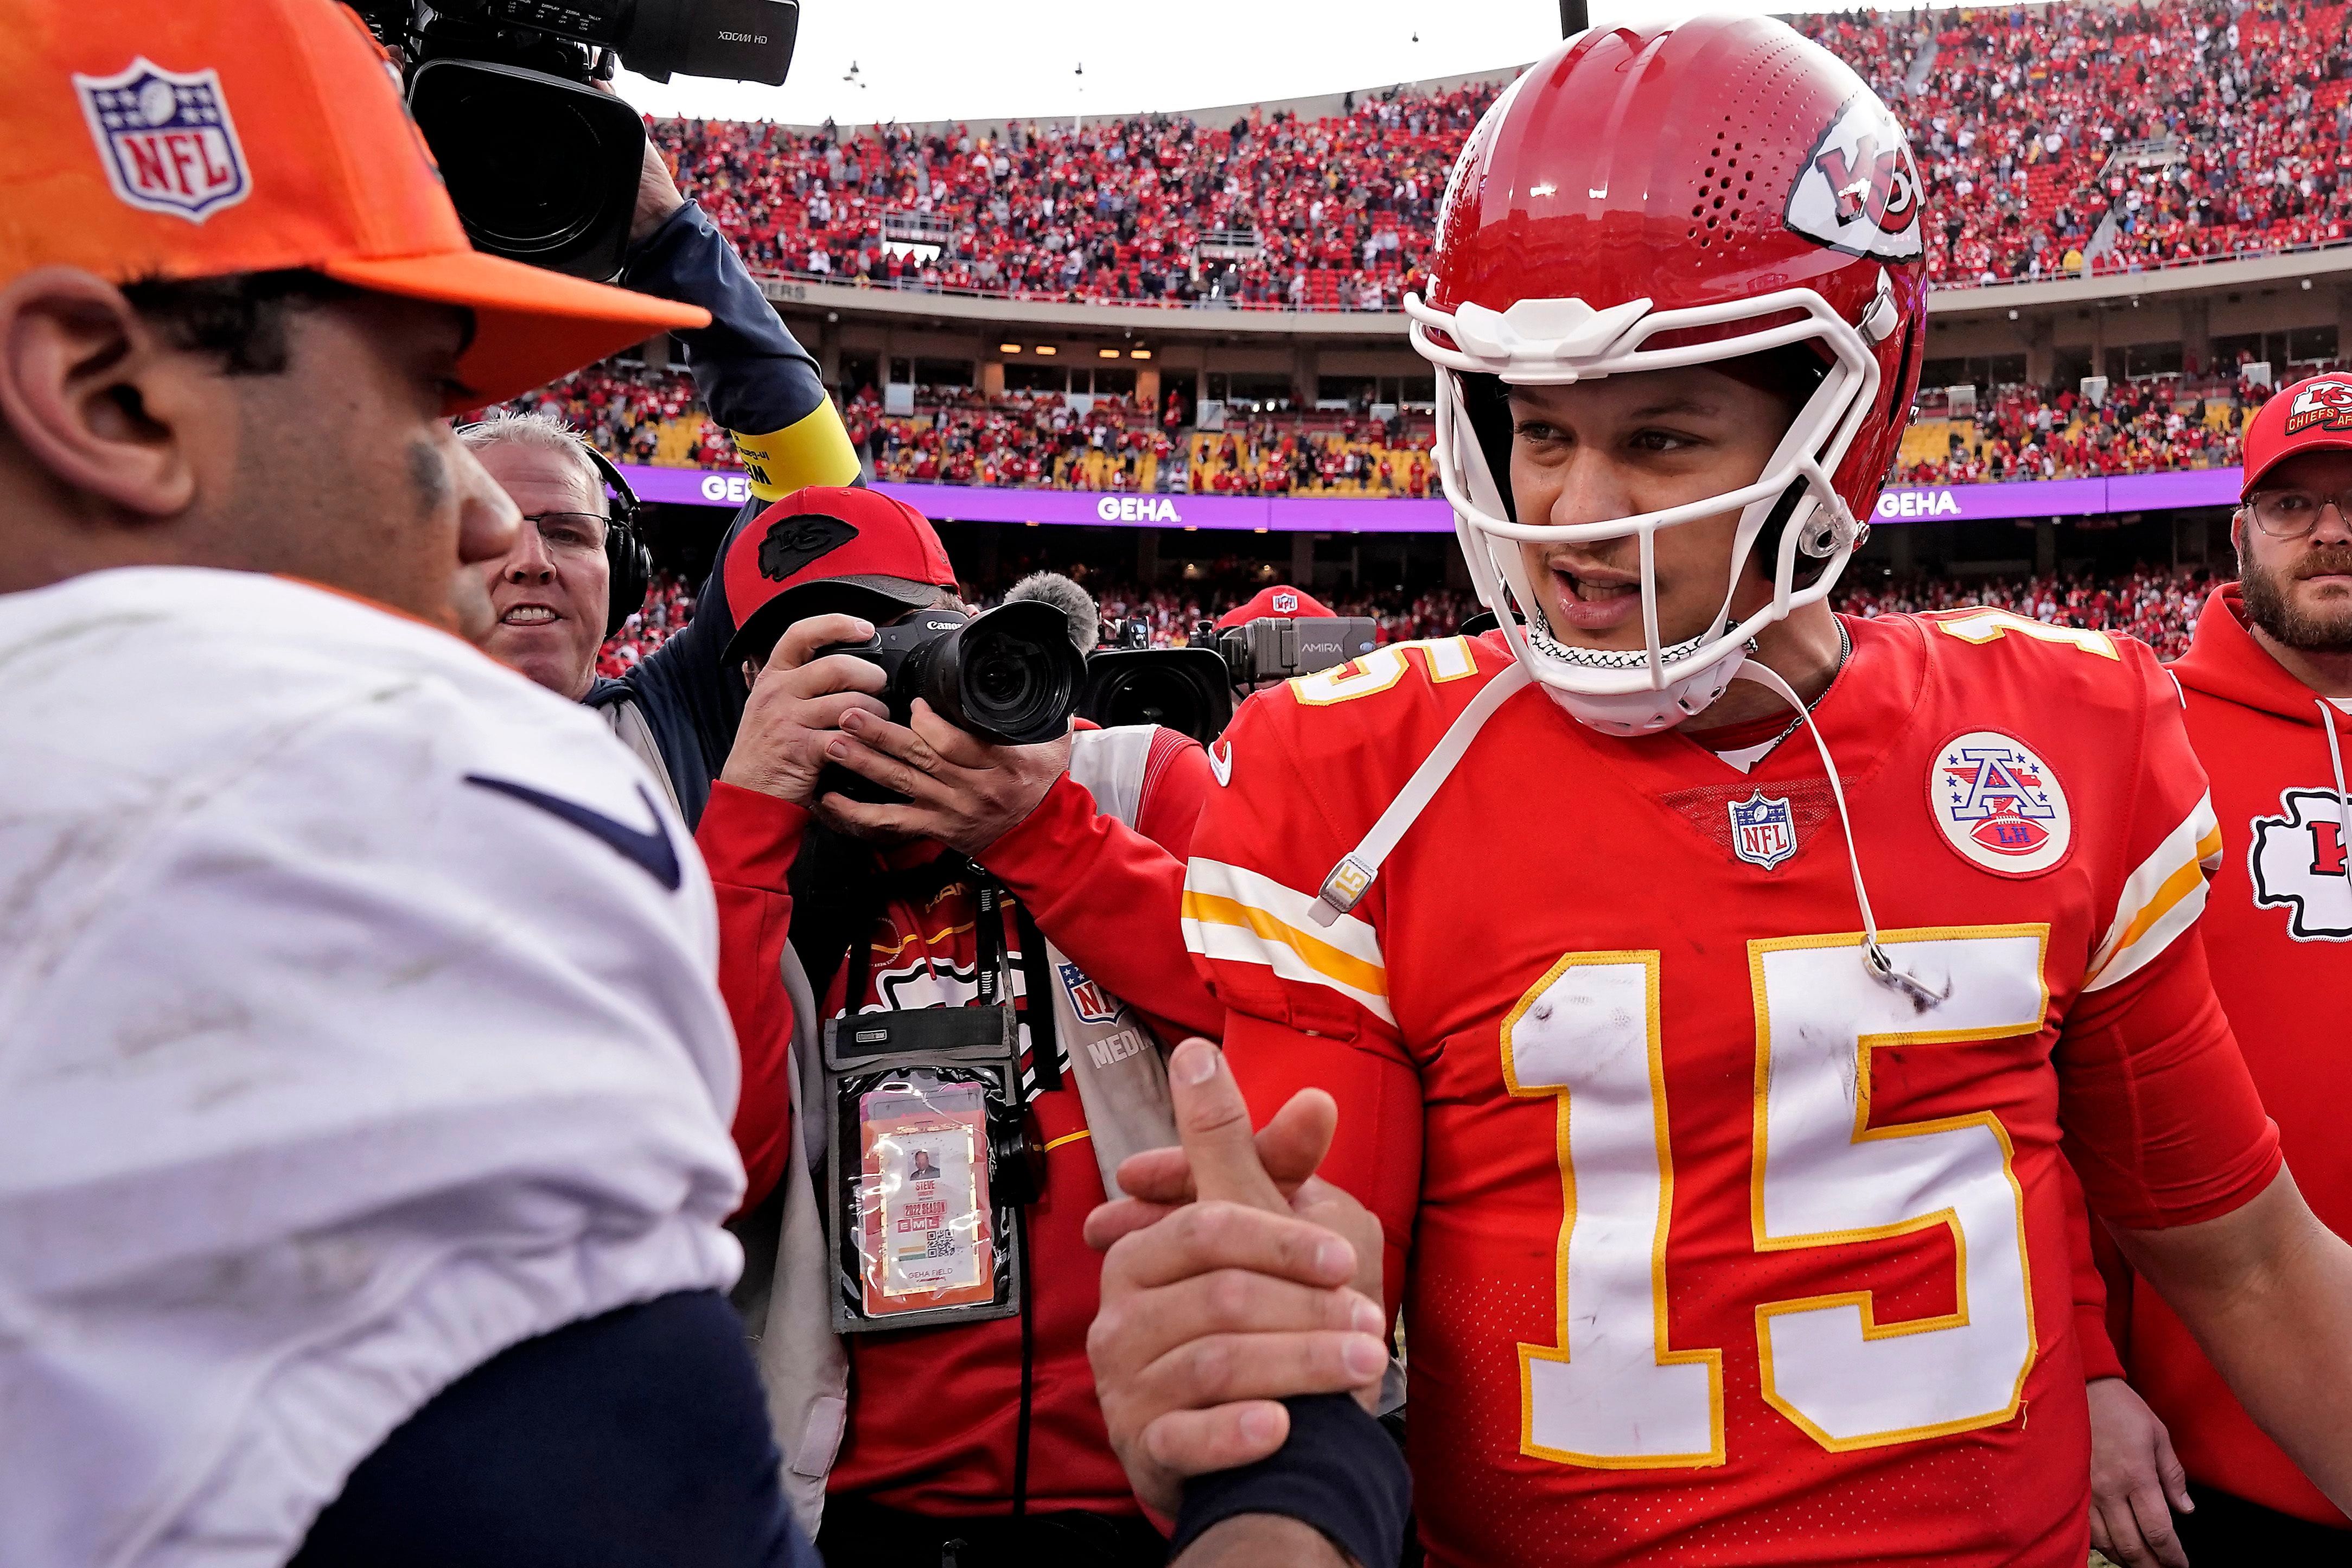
(358, 1020)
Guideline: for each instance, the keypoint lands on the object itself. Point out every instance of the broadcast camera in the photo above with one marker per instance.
(1011, 675)
(1192, 689)
(542, 166)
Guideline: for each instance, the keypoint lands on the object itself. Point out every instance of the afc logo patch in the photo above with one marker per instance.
(1092, 1003)
(1763, 830)
(2323, 403)
(1859, 190)
(166, 139)
(1999, 805)
(2296, 862)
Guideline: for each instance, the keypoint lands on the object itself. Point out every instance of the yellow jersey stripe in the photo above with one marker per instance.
(1349, 971)
(2160, 900)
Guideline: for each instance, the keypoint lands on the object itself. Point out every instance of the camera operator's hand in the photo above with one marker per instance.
(657, 193)
(796, 708)
(964, 792)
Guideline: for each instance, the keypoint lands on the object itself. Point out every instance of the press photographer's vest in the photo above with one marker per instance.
(785, 1294)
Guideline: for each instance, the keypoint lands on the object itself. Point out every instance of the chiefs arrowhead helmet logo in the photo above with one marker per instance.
(1859, 190)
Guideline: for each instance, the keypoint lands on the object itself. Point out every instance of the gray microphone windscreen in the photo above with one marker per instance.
(1073, 602)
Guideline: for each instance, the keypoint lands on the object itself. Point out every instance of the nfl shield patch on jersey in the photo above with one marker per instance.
(1092, 1003)
(1999, 805)
(166, 139)
(1763, 830)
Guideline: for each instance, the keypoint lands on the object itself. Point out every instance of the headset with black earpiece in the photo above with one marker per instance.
(632, 563)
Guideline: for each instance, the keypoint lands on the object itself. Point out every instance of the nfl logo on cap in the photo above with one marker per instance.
(1286, 604)
(1763, 831)
(166, 139)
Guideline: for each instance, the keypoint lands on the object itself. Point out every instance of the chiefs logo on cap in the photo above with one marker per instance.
(166, 139)
(2319, 404)
(1859, 190)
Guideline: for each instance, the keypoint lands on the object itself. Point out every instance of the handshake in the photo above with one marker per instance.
(1235, 1278)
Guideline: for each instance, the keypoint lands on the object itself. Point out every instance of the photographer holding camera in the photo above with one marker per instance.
(1033, 884)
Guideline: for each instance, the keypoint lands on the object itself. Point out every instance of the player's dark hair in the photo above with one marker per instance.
(241, 317)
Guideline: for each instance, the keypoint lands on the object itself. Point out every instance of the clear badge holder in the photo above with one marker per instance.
(926, 1168)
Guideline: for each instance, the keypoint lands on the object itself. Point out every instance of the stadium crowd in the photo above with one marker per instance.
(2157, 607)
(1322, 216)
(2028, 433)
(2203, 128)
(669, 604)
(1046, 440)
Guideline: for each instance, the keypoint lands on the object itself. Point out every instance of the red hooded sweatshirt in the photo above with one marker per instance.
(2278, 930)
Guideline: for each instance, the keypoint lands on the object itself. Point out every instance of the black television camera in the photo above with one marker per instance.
(542, 166)
(1010, 676)
(1192, 689)
(1128, 681)
(1276, 647)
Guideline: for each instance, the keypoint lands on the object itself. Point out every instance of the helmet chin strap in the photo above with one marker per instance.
(1874, 957)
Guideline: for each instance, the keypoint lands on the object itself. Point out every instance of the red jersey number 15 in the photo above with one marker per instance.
(1611, 1392)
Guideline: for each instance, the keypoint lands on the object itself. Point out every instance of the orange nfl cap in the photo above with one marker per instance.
(2313, 415)
(171, 139)
(1282, 599)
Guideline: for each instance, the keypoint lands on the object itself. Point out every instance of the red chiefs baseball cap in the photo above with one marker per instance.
(2314, 415)
(828, 548)
(181, 139)
(1282, 599)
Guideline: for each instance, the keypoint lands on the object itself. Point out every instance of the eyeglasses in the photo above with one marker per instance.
(2292, 514)
(580, 531)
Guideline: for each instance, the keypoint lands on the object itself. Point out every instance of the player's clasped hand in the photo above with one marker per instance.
(796, 707)
(1234, 1278)
(2134, 1476)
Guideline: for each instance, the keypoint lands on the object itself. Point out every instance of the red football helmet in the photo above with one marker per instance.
(1647, 199)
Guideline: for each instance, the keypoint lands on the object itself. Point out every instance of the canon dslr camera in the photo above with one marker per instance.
(1011, 675)
(542, 166)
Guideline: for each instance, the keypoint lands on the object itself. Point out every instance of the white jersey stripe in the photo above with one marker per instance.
(2160, 900)
(1241, 916)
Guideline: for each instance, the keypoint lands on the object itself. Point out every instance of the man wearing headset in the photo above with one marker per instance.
(576, 574)
(560, 593)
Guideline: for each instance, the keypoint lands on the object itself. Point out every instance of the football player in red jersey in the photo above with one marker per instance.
(1713, 1089)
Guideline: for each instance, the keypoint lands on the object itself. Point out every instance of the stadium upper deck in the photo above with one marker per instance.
(2055, 140)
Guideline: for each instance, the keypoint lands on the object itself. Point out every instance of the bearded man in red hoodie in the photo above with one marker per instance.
(2268, 687)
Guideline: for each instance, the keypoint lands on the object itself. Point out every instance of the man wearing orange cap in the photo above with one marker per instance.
(365, 1090)
(2268, 685)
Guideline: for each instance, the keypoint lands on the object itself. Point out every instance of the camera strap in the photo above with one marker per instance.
(1036, 973)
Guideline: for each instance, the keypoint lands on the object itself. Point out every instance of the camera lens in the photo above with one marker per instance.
(1009, 684)
(1000, 679)
(1010, 677)
(539, 169)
